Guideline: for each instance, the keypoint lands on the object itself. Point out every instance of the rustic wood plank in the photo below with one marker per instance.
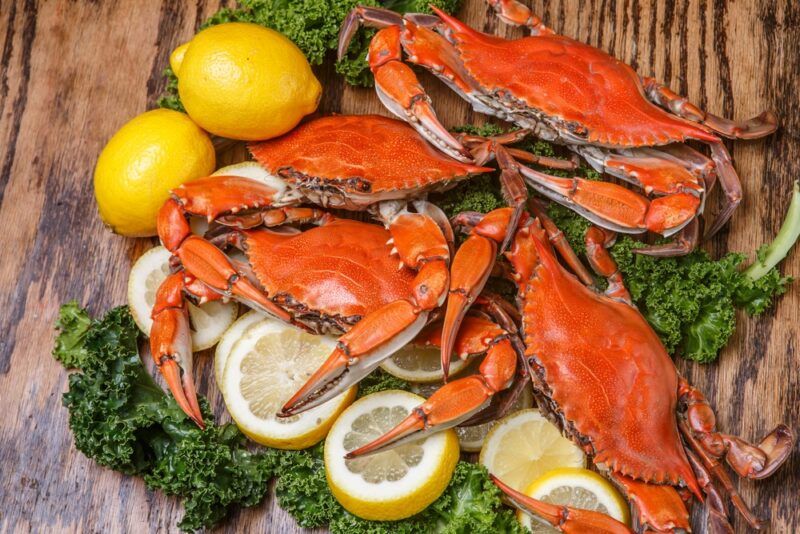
(71, 73)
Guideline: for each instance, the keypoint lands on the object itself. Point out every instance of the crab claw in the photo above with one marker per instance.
(471, 268)
(453, 403)
(564, 518)
(373, 17)
(399, 90)
(171, 345)
(376, 337)
(333, 377)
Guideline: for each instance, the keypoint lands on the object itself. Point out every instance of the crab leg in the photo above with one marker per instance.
(207, 272)
(518, 14)
(421, 246)
(717, 519)
(559, 241)
(657, 507)
(563, 518)
(597, 242)
(471, 268)
(395, 83)
(684, 242)
(763, 124)
(748, 460)
(731, 186)
(171, 345)
(615, 207)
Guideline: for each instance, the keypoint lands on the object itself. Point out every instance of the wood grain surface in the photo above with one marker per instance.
(72, 72)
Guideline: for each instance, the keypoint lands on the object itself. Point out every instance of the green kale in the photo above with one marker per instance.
(72, 325)
(169, 99)
(480, 193)
(380, 380)
(120, 418)
(691, 300)
(484, 130)
(470, 503)
(302, 489)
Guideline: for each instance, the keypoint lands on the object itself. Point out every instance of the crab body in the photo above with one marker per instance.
(354, 162)
(329, 276)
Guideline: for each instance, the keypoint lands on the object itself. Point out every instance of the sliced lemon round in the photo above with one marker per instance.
(471, 438)
(578, 488)
(392, 484)
(265, 367)
(208, 322)
(234, 333)
(415, 363)
(523, 446)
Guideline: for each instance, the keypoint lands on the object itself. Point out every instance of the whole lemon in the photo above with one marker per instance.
(150, 155)
(245, 81)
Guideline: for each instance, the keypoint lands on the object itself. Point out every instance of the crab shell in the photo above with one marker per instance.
(353, 161)
(329, 276)
(607, 373)
(585, 94)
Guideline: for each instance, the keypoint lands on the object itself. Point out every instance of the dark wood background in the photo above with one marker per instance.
(72, 72)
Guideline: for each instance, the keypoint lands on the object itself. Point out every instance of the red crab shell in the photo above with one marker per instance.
(365, 158)
(339, 271)
(597, 97)
(609, 374)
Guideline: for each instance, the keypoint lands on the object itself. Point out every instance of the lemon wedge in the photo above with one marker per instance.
(393, 484)
(523, 446)
(578, 488)
(265, 366)
(208, 322)
(420, 364)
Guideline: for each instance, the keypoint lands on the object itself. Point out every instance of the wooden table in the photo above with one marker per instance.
(71, 73)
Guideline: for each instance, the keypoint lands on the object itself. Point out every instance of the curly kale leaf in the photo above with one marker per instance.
(470, 503)
(120, 418)
(73, 323)
(380, 380)
(691, 300)
(169, 99)
(302, 488)
(480, 193)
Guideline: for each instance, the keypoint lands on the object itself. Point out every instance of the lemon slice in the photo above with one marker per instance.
(265, 367)
(579, 488)
(233, 334)
(208, 322)
(393, 484)
(523, 446)
(471, 438)
(414, 363)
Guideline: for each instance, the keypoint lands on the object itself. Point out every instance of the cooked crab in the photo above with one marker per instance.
(571, 93)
